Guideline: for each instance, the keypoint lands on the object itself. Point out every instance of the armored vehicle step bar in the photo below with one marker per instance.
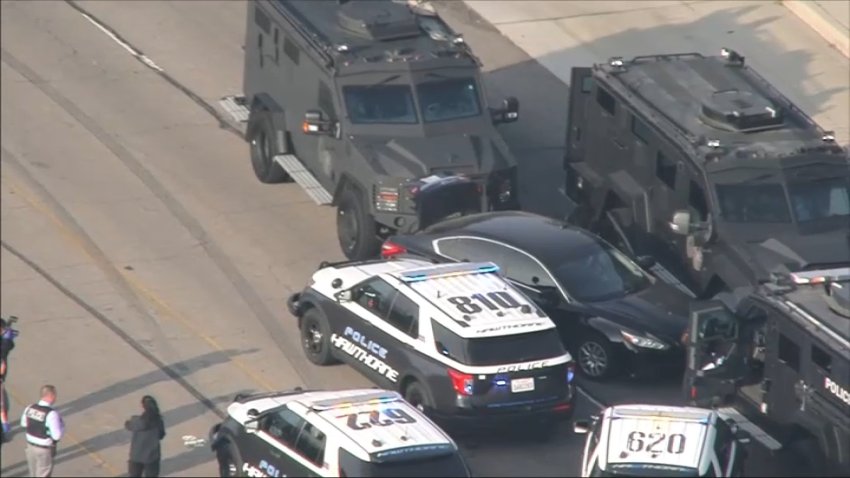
(235, 106)
(304, 178)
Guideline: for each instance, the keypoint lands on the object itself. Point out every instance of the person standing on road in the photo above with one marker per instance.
(148, 430)
(7, 343)
(44, 427)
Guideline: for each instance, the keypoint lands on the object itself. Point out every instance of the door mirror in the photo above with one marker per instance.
(315, 123)
(645, 262)
(681, 223)
(508, 113)
(343, 296)
(581, 427)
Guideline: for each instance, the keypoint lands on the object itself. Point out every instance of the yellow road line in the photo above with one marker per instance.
(95, 456)
(133, 282)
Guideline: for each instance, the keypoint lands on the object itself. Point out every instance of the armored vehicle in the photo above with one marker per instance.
(377, 108)
(778, 359)
(699, 161)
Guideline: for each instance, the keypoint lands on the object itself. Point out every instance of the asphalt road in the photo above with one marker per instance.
(144, 257)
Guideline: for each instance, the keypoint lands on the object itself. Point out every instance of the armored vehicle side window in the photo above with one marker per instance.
(665, 169)
(448, 99)
(311, 444)
(640, 130)
(290, 49)
(404, 315)
(376, 296)
(283, 425)
(326, 101)
(820, 199)
(696, 199)
(753, 203)
(380, 104)
(821, 359)
(606, 101)
(789, 352)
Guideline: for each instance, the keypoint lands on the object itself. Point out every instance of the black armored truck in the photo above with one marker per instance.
(699, 161)
(376, 107)
(778, 359)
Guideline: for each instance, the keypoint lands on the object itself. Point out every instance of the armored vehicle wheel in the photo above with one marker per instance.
(262, 154)
(356, 228)
(315, 338)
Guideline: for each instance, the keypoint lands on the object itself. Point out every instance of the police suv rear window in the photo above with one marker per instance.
(500, 350)
(449, 464)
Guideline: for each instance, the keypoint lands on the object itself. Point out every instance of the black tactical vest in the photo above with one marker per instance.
(37, 421)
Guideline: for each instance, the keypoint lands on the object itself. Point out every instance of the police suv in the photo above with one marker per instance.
(652, 440)
(370, 433)
(457, 340)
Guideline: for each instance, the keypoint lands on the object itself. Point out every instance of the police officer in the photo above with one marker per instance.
(44, 428)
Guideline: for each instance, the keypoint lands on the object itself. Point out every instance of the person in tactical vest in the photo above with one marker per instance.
(44, 428)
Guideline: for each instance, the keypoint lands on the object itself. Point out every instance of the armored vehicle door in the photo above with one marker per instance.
(715, 360)
(581, 81)
(785, 388)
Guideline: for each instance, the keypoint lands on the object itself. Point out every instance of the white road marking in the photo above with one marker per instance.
(191, 441)
(138, 55)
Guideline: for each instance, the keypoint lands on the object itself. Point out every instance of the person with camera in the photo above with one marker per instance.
(7, 343)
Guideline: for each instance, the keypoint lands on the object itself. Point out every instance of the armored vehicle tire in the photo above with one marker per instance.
(315, 338)
(266, 169)
(597, 358)
(416, 395)
(356, 228)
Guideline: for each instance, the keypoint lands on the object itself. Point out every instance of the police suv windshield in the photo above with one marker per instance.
(505, 349)
(450, 464)
(767, 203)
(443, 99)
(595, 272)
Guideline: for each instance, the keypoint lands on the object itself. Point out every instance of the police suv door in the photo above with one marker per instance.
(714, 353)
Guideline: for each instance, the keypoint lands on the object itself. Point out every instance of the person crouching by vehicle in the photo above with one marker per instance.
(7, 343)
(148, 430)
(221, 446)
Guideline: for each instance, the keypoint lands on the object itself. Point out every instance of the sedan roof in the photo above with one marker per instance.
(543, 237)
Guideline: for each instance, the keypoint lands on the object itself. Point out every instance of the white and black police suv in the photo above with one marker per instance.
(457, 340)
(369, 433)
(654, 440)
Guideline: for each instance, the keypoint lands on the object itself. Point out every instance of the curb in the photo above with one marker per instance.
(817, 19)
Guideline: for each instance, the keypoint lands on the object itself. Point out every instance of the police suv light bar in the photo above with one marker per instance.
(451, 270)
(840, 274)
(362, 399)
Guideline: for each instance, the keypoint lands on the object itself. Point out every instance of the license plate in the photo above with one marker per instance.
(522, 385)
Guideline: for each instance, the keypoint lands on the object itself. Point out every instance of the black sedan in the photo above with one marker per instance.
(612, 314)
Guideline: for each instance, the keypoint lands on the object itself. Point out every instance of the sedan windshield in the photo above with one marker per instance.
(597, 272)
(448, 99)
(380, 104)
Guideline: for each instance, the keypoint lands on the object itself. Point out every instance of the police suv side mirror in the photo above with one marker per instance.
(315, 123)
(343, 296)
(681, 223)
(508, 113)
(581, 427)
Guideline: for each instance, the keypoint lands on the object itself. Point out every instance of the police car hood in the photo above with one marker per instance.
(423, 156)
(793, 252)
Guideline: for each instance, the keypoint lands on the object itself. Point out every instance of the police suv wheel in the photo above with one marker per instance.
(356, 228)
(416, 395)
(315, 338)
(262, 155)
(596, 357)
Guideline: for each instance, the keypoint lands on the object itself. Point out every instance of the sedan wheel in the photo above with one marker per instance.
(596, 357)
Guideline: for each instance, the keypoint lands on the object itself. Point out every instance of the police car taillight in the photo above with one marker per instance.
(462, 382)
(390, 249)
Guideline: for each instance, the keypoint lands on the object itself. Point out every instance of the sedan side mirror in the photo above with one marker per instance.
(681, 223)
(581, 427)
(508, 113)
(315, 123)
(645, 262)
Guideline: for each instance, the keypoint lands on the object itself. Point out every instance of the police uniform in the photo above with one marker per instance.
(44, 428)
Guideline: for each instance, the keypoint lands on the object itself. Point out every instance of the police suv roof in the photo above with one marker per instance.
(695, 99)
(438, 283)
(359, 34)
(411, 434)
(686, 429)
